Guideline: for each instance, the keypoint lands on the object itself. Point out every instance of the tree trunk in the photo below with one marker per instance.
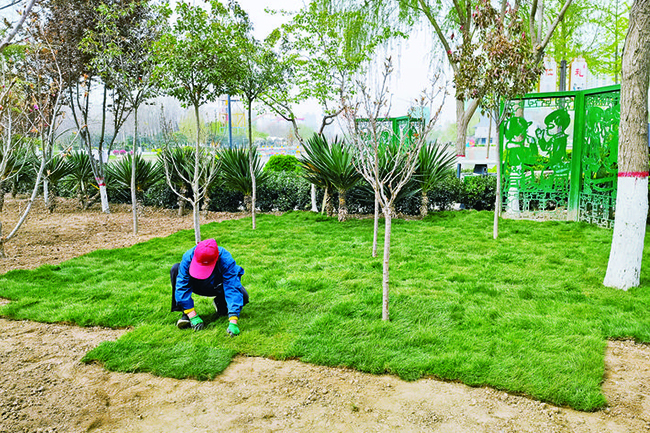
(250, 161)
(497, 201)
(52, 198)
(46, 192)
(624, 267)
(2, 243)
(489, 139)
(2, 195)
(386, 274)
(463, 116)
(248, 202)
(343, 207)
(134, 201)
(104, 196)
(100, 166)
(325, 193)
(195, 180)
(181, 202)
(314, 206)
(329, 205)
(424, 205)
(375, 226)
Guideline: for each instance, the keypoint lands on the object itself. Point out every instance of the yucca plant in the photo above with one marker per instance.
(13, 167)
(313, 170)
(330, 164)
(434, 161)
(147, 173)
(56, 169)
(80, 179)
(236, 175)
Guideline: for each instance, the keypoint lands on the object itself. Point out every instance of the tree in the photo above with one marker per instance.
(326, 52)
(612, 23)
(260, 71)
(70, 21)
(195, 63)
(624, 267)
(368, 141)
(236, 171)
(40, 122)
(506, 67)
(453, 22)
(122, 54)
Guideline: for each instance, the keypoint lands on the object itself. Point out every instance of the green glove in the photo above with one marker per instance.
(233, 329)
(196, 322)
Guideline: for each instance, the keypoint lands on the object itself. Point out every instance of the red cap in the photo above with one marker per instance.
(205, 257)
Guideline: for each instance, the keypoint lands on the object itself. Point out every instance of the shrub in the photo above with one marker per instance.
(479, 192)
(282, 163)
(446, 192)
(283, 191)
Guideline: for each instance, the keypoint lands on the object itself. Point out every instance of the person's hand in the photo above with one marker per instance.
(197, 323)
(233, 329)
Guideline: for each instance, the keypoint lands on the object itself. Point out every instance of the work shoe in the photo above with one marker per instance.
(223, 311)
(183, 322)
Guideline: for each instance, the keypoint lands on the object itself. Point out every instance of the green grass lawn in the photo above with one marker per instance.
(526, 313)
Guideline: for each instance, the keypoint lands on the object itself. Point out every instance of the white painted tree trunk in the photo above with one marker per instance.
(626, 254)
(314, 205)
(195, 181)
(386, 273)
(46, 193)
(497, 202)
(134, 200)
(624, 267)
(375, 227)
(104, 197)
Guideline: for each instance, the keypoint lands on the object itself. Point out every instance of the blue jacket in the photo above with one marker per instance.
(226, 266)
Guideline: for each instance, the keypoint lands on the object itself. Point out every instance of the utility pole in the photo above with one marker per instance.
(229, 123)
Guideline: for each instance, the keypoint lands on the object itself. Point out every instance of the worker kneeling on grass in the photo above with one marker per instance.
(208, 270)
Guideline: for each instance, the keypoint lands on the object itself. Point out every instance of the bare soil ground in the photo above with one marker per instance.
(45, 388)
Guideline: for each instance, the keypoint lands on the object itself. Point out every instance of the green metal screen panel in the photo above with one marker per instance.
(600, 159)
(559, 155)
(536, 159)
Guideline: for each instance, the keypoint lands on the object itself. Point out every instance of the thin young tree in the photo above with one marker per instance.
(39, 123)
(196, 62)
(453, 22)
(70, 21)
(123, 54)
(626, 254)
(260, 70)
(368, 142)
(325, 53)
(506, 68)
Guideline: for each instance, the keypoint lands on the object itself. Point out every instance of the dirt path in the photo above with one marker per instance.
(44, 387)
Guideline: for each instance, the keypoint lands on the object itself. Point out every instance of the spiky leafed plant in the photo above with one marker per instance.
(14, 168)
(81, 179)
(236, 174)
(56, 169)
(331, 162)
(313, 170)
(434, 161)
(147, 174)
